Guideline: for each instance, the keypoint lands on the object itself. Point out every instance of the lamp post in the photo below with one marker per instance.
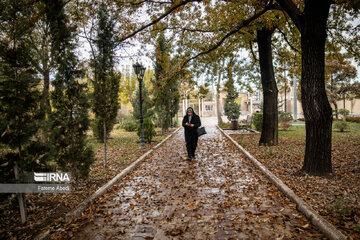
(140, 72)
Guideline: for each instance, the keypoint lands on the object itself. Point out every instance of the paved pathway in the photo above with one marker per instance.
(220, 195)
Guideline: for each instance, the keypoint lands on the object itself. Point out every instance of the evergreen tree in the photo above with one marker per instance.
(231, 107)
(162, 83)
(147, 107)
(19, 90)
(174, 95)
(106, 82)
(69, 114)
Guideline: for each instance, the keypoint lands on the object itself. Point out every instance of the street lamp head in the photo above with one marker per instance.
(137, 68)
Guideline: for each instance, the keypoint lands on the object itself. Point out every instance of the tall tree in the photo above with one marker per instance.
(106, 81)
(19, 87)
(317, 110)
(70, 103)
(162, 83)
(231, 107)
(269, 133)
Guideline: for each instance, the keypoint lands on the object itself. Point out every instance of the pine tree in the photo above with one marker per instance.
(162, 83)
(106, 82)
(69, 114)
(231, 107)
(19, 90)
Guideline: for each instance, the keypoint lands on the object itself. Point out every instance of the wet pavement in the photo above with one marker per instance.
(220, 195)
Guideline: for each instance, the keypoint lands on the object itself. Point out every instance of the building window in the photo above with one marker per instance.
(208, 107)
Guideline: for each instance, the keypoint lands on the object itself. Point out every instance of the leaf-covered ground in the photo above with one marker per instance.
(47, 211)
(335, 197)
(220, 195)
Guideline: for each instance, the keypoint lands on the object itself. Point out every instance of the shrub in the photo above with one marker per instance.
(149, 130)
(257, 121)
(344, 112)
(341, 125)
(285, 116)
(129, 124)
(353, 119)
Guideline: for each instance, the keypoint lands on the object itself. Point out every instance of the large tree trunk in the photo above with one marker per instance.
(317, 109)
(269, 134)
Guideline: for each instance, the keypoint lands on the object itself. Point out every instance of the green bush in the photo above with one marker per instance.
(344, 112)
(129, 124)
(341, 125)
(257, 121)
(353, 119)
(149, 130)
(285, 116)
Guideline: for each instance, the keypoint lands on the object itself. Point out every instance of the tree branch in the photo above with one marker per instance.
(252, 52)
(292, 10)
(173, 8)
(287, 40)
(241, 25)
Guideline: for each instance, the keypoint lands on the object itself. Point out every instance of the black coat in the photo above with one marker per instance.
(190, 132)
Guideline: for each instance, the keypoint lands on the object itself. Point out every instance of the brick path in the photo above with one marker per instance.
(220, 195)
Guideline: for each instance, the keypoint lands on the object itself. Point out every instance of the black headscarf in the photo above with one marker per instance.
(190, 108)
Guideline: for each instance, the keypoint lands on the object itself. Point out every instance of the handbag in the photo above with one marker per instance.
(201, 131)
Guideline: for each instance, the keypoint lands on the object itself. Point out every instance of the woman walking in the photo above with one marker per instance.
(191, 122)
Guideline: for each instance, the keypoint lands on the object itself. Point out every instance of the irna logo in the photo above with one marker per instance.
(51, 177)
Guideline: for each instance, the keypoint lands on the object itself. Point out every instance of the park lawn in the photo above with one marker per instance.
(335, 197)
(47, 211)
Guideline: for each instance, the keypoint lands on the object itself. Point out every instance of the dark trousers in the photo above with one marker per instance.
(191, 145)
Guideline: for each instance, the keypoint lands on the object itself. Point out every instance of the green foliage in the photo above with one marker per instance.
(106, 82)
(257, 121)
(344, 112)
(165, 87)
(149, 130)
(70, 103)
(231, 108)
(284, 120)
(285, 116)
(20, 110)
(341, 125)
(97, 126)
(147, 107)
(129, 124)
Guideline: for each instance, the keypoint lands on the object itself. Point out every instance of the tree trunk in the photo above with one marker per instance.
(285, 110)
(269, 133)
(336, 110)
(317, 109)
(21, 196)
(218, 107)
(105, 160)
